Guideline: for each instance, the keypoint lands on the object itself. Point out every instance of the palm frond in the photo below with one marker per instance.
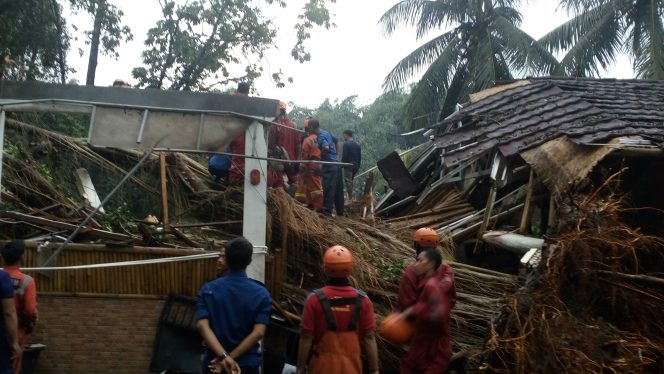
(521, 51)
(566, 35)
(649, 49)
(595, 50)
(458, 91)
(423, 103)
(436, 14)
(421, 57)
(405, 12)
(581, 6)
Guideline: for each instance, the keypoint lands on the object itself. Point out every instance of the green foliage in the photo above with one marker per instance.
(70, 124)
(483, 46)
(314, 13)
(108, 29)
(33, 40)
(118, 218)
(204, 39)
(390, 271)
(376, 127)
(603, 28)
(200, 44)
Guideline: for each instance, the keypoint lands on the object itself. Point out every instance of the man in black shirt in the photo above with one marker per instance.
(351, 153)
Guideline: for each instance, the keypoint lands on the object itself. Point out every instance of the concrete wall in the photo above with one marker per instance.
(95, 335)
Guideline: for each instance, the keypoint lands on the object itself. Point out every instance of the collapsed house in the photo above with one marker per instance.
(126, 278)
(567, 167)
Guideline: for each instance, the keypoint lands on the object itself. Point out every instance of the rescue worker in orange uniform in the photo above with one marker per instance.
(338, 323)
(283, 144)
(431, 344)
(301, 193)
(310, 190)
(25, 293)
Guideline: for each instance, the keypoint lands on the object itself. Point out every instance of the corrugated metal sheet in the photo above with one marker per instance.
(585, 110)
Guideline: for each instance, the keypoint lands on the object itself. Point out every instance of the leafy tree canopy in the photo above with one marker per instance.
(199, 45)
(33, 40)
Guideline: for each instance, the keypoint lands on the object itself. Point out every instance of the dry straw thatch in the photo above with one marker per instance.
(596, 304)
(380, 257)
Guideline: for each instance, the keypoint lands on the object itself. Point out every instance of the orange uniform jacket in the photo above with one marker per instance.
(25, 298)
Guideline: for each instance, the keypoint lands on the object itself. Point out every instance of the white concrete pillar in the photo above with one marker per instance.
(255, 199)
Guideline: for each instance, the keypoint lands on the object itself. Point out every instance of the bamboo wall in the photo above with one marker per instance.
(185, 277)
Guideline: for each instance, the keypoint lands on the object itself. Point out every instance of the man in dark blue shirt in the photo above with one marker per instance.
(333, 185)
(352, 154)
(233, 313)
(9, 347)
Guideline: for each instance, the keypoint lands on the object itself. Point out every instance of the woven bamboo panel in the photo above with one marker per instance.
(185, 277)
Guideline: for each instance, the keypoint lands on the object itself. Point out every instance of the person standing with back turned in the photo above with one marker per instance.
(9, 347)
(338, 323)
(333, 186)
(25, 293)
(236, 170)
(352, 154)
(233, 313)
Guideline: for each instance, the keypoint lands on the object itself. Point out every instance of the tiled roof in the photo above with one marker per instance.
(585, 110)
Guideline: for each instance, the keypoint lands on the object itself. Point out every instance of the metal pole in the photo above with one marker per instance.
(253, 157)
(89, 217)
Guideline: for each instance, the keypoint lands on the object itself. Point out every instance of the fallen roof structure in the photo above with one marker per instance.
(558, 128)
(576, 159)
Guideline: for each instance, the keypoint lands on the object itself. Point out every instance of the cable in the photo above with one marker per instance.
(127, 263)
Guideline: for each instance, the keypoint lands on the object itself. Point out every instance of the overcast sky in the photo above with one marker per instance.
(351, 59)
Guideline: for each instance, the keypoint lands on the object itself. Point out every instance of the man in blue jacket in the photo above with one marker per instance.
(333, 185)
(233, 313)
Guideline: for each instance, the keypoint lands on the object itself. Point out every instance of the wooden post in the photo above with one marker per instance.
(552, 212)
(164, 191)
(495, 179)
(526, 208)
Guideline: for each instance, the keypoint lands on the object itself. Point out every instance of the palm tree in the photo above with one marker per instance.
(603, 28)
(483, 46)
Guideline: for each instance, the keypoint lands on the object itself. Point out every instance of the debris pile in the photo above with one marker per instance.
(594, 304)
(42, 202)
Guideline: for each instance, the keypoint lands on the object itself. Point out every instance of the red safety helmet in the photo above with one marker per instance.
(426, 237)
(337, 262)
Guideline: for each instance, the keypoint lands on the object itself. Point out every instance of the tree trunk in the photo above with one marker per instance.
(57, 19)
(94, 42)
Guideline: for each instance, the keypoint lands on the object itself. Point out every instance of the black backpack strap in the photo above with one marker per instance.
(327, 309)
(352, 326)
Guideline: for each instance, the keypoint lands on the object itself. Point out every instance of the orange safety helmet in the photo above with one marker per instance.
(426, 237)
(396, 328)
(282, 105)
(337, 262)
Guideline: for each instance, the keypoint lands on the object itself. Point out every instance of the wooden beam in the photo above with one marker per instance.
(216, 223)
(164, 190)
(526, 208)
